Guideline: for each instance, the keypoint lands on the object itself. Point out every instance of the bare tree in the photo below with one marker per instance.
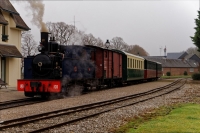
(29, 45)
(68, 35)
(193, 50)
(89, 39)
(137, 50)
(61, 31)
(118, 43)
(99, 42)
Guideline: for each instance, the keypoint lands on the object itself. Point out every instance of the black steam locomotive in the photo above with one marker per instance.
(56, 68)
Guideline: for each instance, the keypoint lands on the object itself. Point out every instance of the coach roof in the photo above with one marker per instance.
(133, 55)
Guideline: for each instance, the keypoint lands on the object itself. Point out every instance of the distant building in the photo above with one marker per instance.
(184, 56)
(176, 66)
(11, 25)
(180, 55)
(193, 57)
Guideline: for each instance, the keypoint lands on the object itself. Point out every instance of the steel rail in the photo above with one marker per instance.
(19, 102)
(47, 115)
(101, 112)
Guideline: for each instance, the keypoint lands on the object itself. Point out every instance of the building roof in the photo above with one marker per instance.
(9, 51)
(173, 63)
(6, 6)
(2, 19)
(193, 57)
(180, 55)
(19, 22)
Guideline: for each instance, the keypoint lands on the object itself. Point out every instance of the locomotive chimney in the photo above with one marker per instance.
(44, 39)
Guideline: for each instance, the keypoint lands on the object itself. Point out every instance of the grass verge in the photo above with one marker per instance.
(173, 119)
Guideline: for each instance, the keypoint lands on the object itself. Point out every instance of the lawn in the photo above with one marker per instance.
(176, 119)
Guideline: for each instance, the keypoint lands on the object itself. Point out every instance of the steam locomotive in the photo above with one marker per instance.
(59, 69)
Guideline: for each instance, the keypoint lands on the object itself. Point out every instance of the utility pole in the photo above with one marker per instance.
(160, 50)
(74, 24)
(165, 50)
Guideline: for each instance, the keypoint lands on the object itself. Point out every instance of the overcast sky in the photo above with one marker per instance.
(151, 24)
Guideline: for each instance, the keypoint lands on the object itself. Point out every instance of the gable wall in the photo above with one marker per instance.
(179, 71)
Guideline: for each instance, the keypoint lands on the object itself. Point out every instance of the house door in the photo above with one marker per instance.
(3, 68)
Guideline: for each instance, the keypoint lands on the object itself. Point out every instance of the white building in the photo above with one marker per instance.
(11, 25)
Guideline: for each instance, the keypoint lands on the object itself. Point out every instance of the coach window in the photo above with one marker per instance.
(136, 64)
(142, 65)
(128, 62)
(131, 63)
(139, 64)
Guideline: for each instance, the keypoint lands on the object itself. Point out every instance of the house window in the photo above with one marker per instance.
(4, 33)
(191, 69)
(3, 68)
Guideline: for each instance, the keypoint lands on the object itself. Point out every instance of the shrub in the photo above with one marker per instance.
(196, 76)
(168, 74)
(185, 73)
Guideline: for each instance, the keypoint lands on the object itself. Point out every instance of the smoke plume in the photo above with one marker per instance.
(37, 8)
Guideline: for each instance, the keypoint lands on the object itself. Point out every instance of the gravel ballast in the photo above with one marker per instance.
(107, 121)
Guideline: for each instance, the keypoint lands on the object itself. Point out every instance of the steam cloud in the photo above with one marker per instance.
(37, 8)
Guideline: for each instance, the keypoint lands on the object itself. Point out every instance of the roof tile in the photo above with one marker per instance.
(9, 51)
(173, 62)
(6, 6)
(2, 19)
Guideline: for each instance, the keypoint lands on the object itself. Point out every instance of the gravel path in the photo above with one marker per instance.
(107, 121)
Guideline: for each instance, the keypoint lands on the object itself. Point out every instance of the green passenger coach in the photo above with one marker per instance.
(133, 67)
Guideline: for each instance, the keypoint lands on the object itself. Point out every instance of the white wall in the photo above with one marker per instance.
(13, 70)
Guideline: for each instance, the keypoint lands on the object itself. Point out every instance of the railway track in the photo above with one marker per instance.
(49, 120)
(19, 102)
